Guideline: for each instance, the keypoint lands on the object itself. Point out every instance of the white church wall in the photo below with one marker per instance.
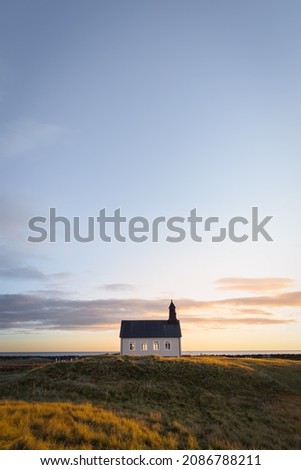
(147, 346)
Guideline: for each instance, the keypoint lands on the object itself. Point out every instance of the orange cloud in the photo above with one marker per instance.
(248, 284)
(251, 311)
(288, 299)
(214, 320)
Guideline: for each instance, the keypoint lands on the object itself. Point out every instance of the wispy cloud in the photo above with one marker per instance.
(62, 276)
(251, 311)
(25, 136)
(26, 272)
(287, 299)
(117, 287)
(226, 321)
(15, 265)
(50, 293)
(248, 284)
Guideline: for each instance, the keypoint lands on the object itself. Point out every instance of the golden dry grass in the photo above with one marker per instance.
(69, 426)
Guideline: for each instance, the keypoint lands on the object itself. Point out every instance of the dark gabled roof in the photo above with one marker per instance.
(150, 329)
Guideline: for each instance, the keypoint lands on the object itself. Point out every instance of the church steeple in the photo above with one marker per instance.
(172, 312)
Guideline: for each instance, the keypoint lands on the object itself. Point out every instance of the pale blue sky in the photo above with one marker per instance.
(156, 107)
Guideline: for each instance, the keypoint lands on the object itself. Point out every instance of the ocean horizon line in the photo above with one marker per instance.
(188, 352)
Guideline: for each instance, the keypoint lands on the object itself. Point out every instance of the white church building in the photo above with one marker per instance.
(145, 337)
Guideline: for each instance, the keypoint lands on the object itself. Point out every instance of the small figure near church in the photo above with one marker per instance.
(145, 337)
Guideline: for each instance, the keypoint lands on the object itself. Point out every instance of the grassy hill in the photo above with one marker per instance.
(113, 402)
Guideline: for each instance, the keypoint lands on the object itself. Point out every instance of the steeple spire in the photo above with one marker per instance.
(172, 312)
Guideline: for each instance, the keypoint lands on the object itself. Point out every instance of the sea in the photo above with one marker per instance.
(184, 353)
